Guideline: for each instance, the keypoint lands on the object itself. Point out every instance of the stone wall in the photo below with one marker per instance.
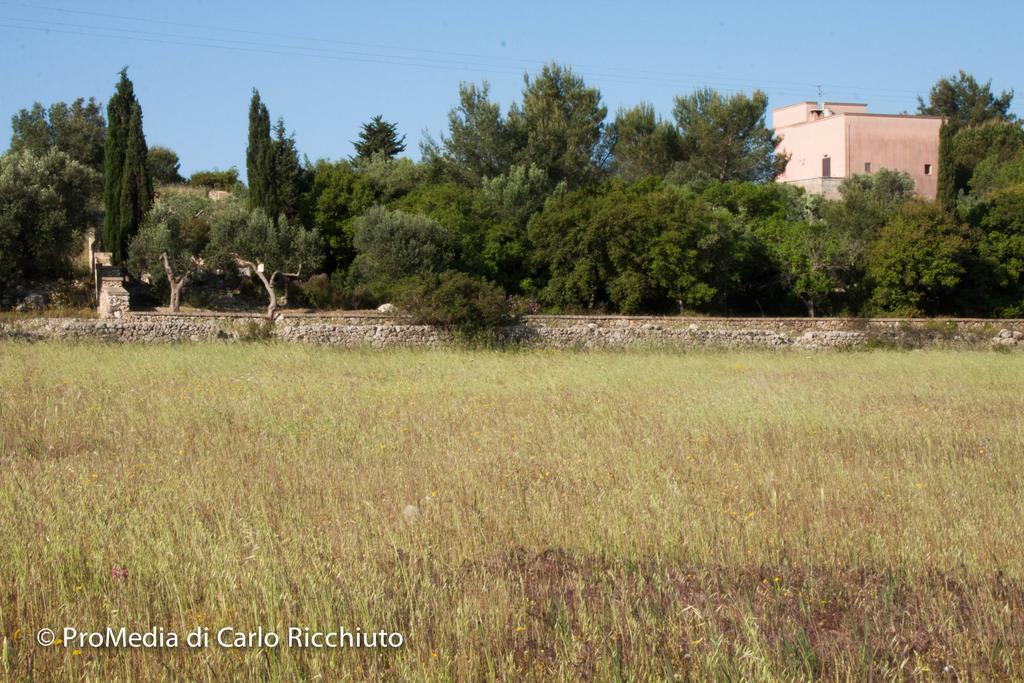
(371, 329)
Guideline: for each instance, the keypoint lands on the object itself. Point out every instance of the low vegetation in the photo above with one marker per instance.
(521, 515)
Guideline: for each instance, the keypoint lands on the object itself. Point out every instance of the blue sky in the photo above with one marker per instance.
(328, 66)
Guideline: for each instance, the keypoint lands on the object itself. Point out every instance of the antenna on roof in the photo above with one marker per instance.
(821, 97)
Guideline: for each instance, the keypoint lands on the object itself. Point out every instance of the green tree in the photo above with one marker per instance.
(270, 251)
(259, 155)
(986, 146)
(1001, 249)
(480, 143)
(725, 138)
(45, 202)
(164, 166)
(561, 125)
(947, 185)
(916, 262)
(630, 248)
(814, 259)
(136, 185)
(867, 202)
(379, 137)
(644, 146)
(467, 303)
(171, 241)
(291, 180)
(393, 245)
(127, 189)
(962, 101)
(77, 129)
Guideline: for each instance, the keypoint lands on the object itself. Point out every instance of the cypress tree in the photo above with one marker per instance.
(127, 188)
(119, 110)
(259, 155)
(136, 185)
(947, 189)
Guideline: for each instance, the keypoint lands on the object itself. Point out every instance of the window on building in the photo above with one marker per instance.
(867, 167)
(927, 169)
(826, 168)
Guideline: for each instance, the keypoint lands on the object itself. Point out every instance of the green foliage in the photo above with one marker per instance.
(253, 236)
(291, 180)
(215, 179)
(725, 138)
(342, 191)
(259, 154)
(164, 166)
(916, 261)
(379, 137)
(868, 202)
(962, 101)
(454, 299)
(644, 146)
(176, 228)
(45, 202)
(561, 126)
(947, 184)
(1001, 250)
(77, 130)
(814, 259)
(481, 143)
(393, 245)
(630, 248)
(127, 188)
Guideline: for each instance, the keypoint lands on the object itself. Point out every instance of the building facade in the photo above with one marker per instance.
(829, 143)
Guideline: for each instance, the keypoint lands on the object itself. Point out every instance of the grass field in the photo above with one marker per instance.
(577, 515)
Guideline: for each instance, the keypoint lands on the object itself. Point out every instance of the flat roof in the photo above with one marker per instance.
(861, 114)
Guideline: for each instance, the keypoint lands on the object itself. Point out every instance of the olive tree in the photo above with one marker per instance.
(251, 241)
(171, 240)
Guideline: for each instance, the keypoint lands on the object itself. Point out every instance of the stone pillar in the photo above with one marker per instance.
(113, 302)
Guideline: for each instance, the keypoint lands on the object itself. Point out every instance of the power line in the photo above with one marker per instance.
(657, 78)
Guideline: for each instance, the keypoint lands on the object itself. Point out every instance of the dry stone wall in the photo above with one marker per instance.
(370, 329)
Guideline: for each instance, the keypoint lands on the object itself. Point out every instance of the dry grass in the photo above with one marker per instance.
(582, 515)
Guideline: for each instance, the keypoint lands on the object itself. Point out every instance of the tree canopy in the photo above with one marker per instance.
(378, 136)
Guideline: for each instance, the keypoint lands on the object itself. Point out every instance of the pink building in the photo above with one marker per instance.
(830, 142)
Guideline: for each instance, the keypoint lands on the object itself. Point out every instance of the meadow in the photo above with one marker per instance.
(515, 515)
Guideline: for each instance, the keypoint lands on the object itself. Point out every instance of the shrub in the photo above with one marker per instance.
(215, 180)
(468, 304)
(317, 291)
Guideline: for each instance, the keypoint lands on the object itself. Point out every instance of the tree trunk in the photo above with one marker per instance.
(810, 307)
(176, 287)
(271, 294)
(176, 283)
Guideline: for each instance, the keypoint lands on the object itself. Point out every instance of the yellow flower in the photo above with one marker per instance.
(76, 652)
(520, 628)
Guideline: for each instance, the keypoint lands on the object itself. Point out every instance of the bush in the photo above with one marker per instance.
(394, 244)
(215, 180)
(468, 304)
(316, 292)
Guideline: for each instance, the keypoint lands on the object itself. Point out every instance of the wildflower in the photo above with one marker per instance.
(76, 652)
(119, 573)
(520, 628)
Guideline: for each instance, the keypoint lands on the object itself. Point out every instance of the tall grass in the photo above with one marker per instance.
(577, 515)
